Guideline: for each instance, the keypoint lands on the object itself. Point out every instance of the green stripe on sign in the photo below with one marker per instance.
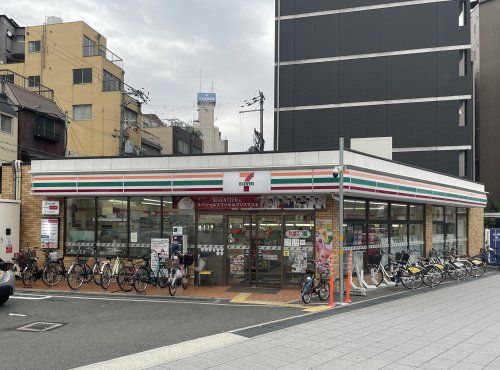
(54, 184)
(292, 181)
(407, 188)
(387, 186)
(148, 183)
(200, 182)
(321, 180)
(363, 182)
(99, 184)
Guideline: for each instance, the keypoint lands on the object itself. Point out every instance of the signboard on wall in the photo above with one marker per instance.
(247, 182)
(227, 202)
(49, 233)
(50, 207)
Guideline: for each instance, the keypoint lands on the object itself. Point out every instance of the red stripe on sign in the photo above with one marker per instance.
(197, 189)
(55, 191)
(147, 190)
(291, 187)
(325, 187)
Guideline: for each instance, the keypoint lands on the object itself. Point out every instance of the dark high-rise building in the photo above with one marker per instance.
(375, 68)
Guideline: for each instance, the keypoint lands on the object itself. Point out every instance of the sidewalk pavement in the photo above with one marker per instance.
(272, 297)
(456, 327)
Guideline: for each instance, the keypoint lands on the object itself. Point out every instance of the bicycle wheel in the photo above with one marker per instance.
(29, 277)
(478, 267)
(76, 276)
(49, 275)
(432, 276)
(323, 290)
(59, 271)
(141, 279)
(96, 274)
(162, 278)
(88, 274)
(125, 279)
(185, 282)
(106, 276)
(457, 271)
(172, 288)
(376, 275)
(411, 280)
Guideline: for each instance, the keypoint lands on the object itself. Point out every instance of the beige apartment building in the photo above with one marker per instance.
(72, 59)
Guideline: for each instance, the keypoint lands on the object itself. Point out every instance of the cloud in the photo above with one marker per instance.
(165, 43)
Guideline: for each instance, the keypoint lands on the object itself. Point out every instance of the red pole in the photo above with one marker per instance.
(347, 298)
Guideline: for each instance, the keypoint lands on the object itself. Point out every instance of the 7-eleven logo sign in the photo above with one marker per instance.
(246, 180)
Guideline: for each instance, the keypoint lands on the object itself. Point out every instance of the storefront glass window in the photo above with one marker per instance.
(378, 236)
(416, 212)
(354, 235)
(354, 209)
(378, 210)
(437, 214)
(179, 218)
(416, 234)
(112, 225)
(438, 237)
(211, 247)
(398, 211)
(399, 237)
(80, 223)
(462, 230)
(298, 245)
(451, 228)
(145, 218)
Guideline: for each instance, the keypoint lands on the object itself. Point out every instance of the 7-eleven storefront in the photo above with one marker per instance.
(255, 219)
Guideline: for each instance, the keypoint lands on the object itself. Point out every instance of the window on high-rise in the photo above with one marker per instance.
(462, 113)
(5, 123)
(462, 161)
(110, 82)
(461, 13)
(89, 47)
(462, 66)
(82, 112)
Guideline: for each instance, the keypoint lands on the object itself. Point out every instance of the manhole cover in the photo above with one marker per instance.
(40, 326)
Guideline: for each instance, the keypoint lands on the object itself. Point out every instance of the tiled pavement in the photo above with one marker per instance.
(456, 327)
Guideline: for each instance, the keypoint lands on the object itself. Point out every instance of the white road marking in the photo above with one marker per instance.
(161, 355)
(34, 297)
(17, 314)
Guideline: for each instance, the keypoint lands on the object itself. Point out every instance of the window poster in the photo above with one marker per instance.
(49, 233)
(324, 241)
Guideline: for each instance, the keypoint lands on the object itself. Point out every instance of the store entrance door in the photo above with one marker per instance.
(254, 250)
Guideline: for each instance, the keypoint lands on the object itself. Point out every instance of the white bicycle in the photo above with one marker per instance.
(109, 272)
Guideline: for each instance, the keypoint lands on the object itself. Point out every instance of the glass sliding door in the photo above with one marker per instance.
(239, 239)
(268, 242)
(211, 246)
(112, 225)
(298, 246)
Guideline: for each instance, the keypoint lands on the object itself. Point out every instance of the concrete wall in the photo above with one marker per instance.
(8, 147)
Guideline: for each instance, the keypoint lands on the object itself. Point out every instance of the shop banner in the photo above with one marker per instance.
(324, 240)
(227, 202)
(49, 232)
(293, 202)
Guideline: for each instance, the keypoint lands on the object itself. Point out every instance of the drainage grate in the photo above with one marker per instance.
(40, 326)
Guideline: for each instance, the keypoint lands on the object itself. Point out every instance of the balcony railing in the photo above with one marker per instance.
(25, 83)
(46, 134)
(99, 50)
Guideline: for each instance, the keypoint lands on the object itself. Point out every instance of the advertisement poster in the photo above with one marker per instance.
(158, 245)
(50, 207)
(324, 240)
(49, 233)
(299, 258)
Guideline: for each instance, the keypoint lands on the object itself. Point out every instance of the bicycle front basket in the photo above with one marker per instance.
(374, 259)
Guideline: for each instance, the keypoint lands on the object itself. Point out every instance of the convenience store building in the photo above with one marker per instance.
(249, 218)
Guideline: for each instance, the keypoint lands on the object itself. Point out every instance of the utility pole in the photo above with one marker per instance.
(341, 219)
(258, 136)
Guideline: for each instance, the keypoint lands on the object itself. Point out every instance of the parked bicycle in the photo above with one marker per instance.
(32, 273)
(146, 275)
(178, 276)
(315, 286)
(127, 275)
(109, 272)
(81, 272)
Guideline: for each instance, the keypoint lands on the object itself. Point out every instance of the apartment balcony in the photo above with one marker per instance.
(150, 139)
(46, 134)
(100, 50)
(25, 83)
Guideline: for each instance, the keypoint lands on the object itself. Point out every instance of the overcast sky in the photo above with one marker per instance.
(164, 43)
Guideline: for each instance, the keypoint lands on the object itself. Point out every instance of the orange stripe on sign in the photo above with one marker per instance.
(288, 174)
(323, 172)
(198, 176)
(145, 177)
(100, 177)
(54, 178)
(245, 174)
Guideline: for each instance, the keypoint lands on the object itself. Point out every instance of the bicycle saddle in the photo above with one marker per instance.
(110, 257)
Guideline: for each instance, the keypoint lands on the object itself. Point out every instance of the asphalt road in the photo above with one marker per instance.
(104, 328)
